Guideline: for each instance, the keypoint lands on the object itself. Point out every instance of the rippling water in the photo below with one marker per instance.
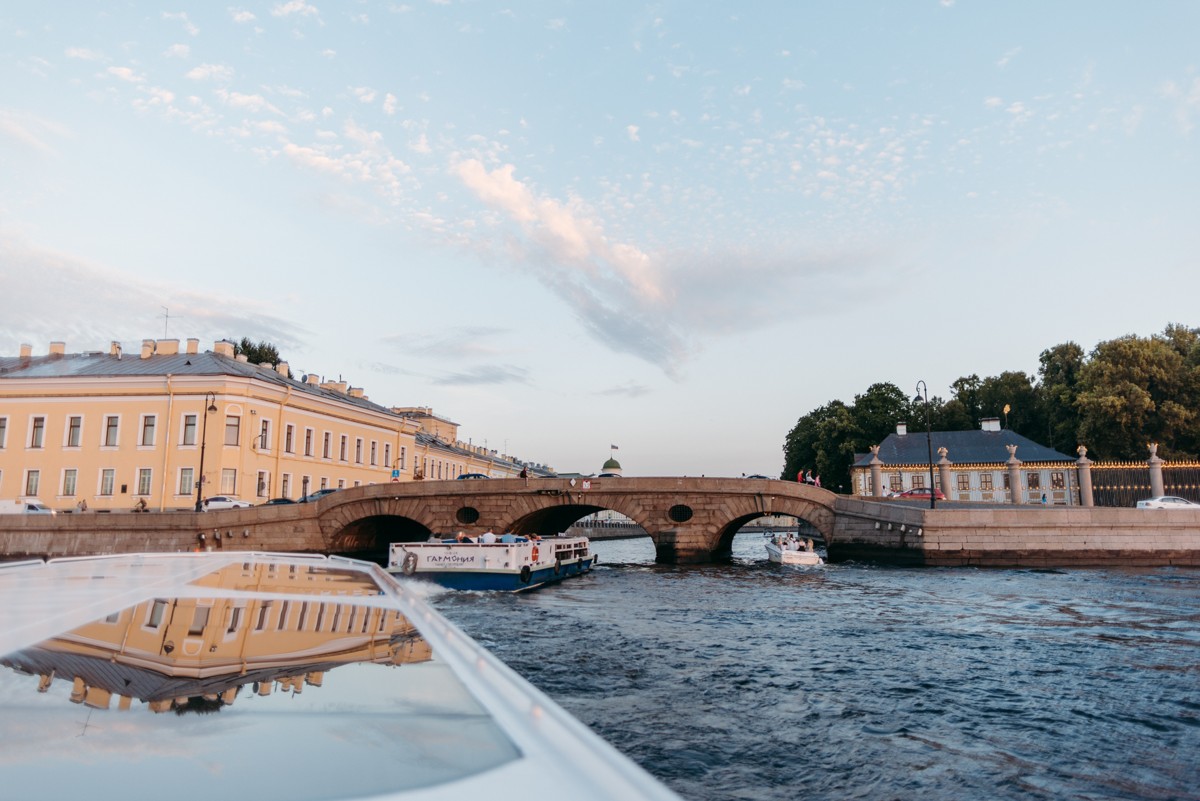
(755, 681)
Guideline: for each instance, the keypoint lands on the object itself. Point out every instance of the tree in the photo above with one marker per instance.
(261, 353)
(1015, 390)
(1058, 392)
(1133, 391)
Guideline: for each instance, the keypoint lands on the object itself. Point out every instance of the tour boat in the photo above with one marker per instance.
(270, 677)
(787, 549)
(515, 566)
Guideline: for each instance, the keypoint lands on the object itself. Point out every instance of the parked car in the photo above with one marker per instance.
(318, 495)
(277, 502)
(30, 507)
(225, 502)
(1167, 502)
(921, 492)
(471, 476)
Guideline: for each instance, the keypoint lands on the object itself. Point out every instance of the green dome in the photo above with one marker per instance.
(611, 464)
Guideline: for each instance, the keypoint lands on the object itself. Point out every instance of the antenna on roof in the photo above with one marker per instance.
(166, 315)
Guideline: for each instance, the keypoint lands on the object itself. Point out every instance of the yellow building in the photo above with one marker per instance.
(118, 431)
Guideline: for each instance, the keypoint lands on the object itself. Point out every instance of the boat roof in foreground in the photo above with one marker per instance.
(272, 678)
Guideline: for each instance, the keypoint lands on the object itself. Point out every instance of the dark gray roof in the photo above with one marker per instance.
(963, 447)
(75, 365)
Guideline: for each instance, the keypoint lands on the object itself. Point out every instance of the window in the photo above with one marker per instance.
(144, 477)
(33, 479)
(112, 425)
(74, 431)
(918, 481)
(108, 477)
(324, 482)
(186, 481)
(189, 430)
(235, 619)
(374, 453)
(233, 425)
(342, 452)
(1057, 480)
(403, 455)
(358, 450)
(157, 610)
(308, 442)
(199, 621)
(985, 482)
(264, 614)
(69, 478)
(286, 488)
(1033, 480)
(3, 430)
(964, 481)
(264, 483)
(341, 483)
(264, 436)
(37, 432)
(289, 436)
(387, 454)
(1006, 481)
(326, 445)
(229, 481)
(148, 423)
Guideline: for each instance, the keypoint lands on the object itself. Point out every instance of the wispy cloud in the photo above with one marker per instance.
(489, 374)
(182, 17)
(297, 7)
(30, 130)
(469, 342)
(210, 72)
(93, 304)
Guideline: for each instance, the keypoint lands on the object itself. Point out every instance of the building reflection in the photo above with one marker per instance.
(259, 626)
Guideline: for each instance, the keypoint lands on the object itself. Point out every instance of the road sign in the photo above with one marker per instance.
(395, 475)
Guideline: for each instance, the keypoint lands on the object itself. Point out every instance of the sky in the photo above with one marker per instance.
(673, 227)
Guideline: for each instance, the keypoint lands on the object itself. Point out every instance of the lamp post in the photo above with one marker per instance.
(923, 390)
(210, 406)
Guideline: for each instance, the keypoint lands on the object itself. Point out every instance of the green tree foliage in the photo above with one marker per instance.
(1134, 390)
(1126, 393)
(260, 353)
(1058, 389)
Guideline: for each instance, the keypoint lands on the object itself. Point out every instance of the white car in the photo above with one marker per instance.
(225, 502)
(1167, 502)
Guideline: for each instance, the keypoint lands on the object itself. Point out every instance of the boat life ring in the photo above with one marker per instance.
(535, 553)
(410, 564)
(526, 574)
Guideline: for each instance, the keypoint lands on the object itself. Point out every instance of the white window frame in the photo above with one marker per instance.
(190, 472)
(145, 482)
(183, 430)
(67, 444)
(74, 488)
(142, 419)
(111, 473)
(104, 429)
(33, 475)
(37, 432)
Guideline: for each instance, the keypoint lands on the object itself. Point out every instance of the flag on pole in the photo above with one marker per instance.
(614, 447)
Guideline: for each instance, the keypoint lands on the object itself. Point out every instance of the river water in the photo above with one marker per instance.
(755, 681)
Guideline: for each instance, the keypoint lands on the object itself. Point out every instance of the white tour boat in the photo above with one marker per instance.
(788, 549)
(510, 563)
(264, 677)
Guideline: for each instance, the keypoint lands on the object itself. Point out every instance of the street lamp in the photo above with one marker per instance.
(210, 406)
(922, 388)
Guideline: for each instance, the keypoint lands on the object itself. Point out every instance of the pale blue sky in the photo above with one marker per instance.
(675, 227)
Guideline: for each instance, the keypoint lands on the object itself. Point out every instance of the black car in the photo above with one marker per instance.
(471, 476)
(277, 502)
(318, 495)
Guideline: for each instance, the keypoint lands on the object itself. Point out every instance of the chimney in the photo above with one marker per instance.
(193, 345)
(223, 348)
(283, 369)
(58, 348)
(114, 348)
(313, 380)
(26, 350)
(147, 348)
(990, 424)
(902, 429)
(167, 347)
(356, 392)
(243, 358)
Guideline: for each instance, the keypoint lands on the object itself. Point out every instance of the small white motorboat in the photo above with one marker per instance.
(789, 549)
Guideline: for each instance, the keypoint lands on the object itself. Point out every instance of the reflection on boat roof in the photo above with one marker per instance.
(263, 677)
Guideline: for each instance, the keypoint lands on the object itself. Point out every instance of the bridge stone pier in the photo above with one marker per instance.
(690, 520)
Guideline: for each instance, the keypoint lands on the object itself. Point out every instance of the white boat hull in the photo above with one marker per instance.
(782, 555)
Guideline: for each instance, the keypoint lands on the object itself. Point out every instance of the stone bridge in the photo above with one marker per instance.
(689, 519)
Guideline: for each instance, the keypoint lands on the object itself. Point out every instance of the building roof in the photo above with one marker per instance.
(611, 464)
(105, 365)
(963, 447)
